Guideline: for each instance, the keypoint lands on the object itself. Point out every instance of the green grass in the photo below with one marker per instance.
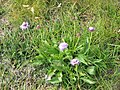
(27, 56)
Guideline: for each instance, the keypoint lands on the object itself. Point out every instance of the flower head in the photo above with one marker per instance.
(74, 62)
(63, 46)
(91, 29)
(24, 25)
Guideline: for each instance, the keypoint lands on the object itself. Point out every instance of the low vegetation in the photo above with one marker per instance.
(60, 45)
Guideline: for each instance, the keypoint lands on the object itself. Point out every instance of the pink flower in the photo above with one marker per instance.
(91, 29)
(63, 46)
(74, 62)
(24, 25)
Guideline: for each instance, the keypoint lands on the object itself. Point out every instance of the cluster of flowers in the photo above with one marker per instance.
(62, 45)
(25, 25)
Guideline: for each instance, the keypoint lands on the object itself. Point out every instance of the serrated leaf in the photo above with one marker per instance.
(51, 72)
(91, 70)
(57, 78)
(59, 75)
(52, 51)
(88, 81)
(82, 59)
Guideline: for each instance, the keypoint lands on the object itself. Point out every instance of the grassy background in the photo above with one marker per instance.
(59, 20)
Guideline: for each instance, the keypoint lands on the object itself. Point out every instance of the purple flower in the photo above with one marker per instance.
(63, 46)
(24, 25)
(91, 29)
(74, 62)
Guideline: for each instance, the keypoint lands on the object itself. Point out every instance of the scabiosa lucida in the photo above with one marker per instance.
(91, 29)
(24, 25)
(74, 62)
(63, 46)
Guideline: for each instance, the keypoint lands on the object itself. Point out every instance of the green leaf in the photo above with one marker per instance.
(51, 72)
(87, 46)
(82, 59)
(52, 51)
(88, 81)
(57, 78)
(59, 75)
(98, 60)
(37, 63)
(91, 70)
(82, 74)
